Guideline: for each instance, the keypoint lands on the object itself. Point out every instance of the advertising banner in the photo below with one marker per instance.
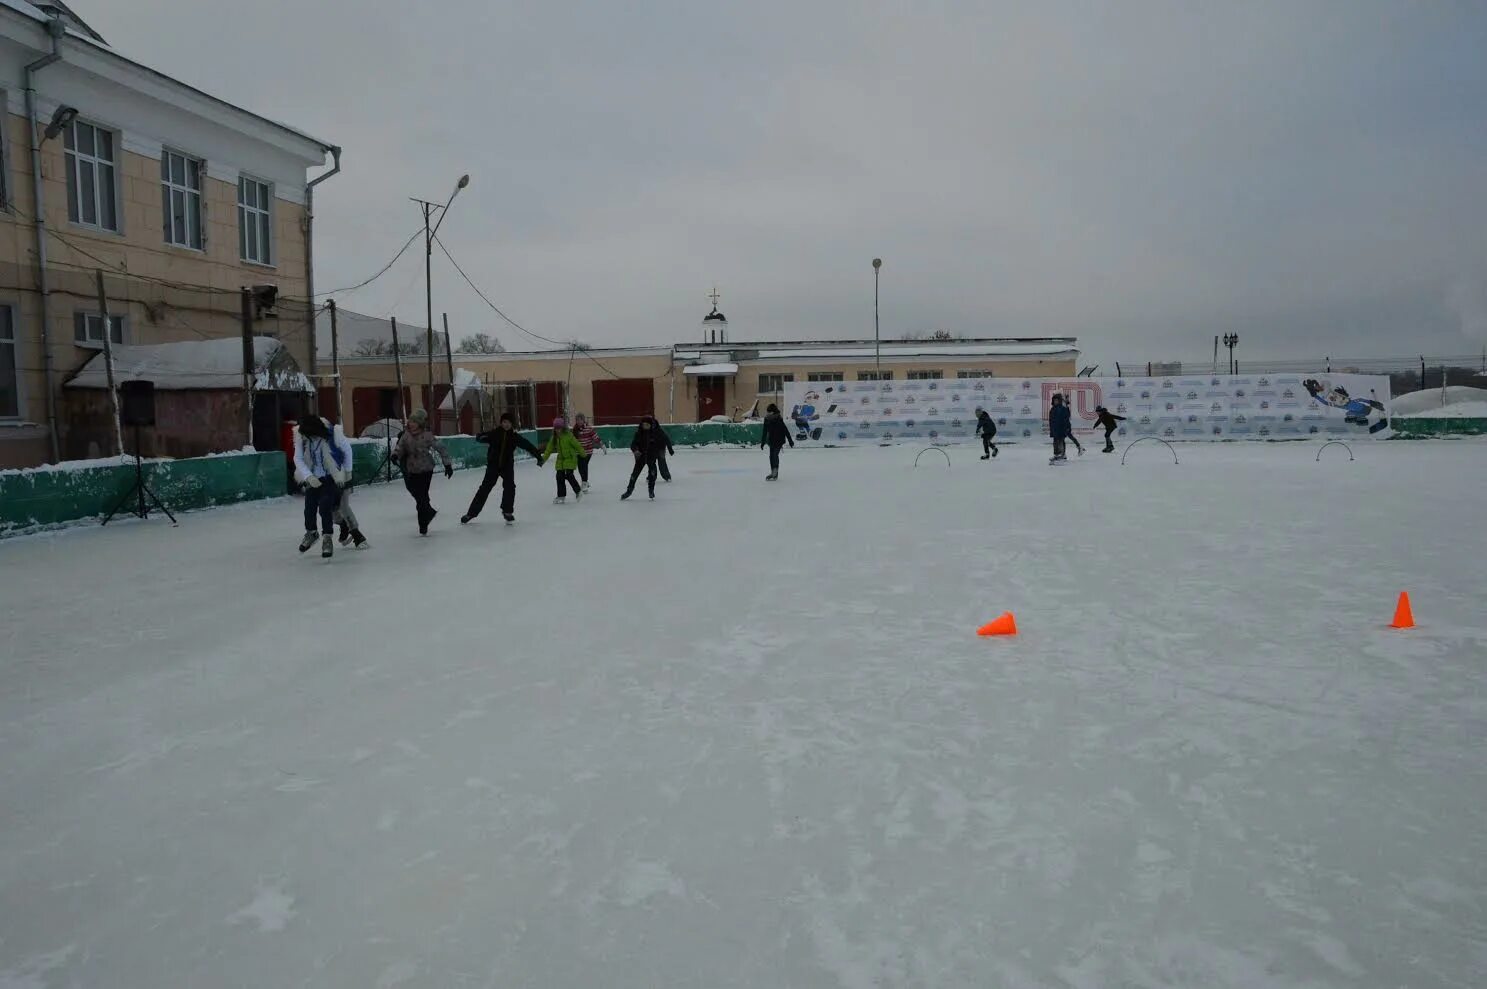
(1180, 407)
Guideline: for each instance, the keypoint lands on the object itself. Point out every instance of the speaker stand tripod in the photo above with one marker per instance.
(139, 492)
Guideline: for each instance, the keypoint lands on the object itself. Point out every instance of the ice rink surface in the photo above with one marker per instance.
(746, 735)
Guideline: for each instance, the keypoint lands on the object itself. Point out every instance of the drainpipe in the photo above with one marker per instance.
(310, 253)
(55, 29)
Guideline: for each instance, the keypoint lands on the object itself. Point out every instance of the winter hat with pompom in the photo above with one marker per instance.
(560, 423)
(419, 416)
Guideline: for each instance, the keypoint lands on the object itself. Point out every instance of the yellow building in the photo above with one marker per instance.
(181, 199)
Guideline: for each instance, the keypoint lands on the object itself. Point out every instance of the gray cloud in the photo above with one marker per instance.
(1141, 175)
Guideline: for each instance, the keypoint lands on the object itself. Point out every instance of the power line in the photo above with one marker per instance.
(352, 288)
(495, 308)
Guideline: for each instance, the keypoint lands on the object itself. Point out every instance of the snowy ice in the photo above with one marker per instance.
(745, 735)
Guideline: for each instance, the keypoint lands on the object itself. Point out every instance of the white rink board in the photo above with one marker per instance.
(1187, 407)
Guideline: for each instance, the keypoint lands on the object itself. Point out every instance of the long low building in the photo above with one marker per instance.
(684, 382)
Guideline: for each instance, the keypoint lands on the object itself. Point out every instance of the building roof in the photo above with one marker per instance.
(79, 30)
(1047, 348)
(196, 364)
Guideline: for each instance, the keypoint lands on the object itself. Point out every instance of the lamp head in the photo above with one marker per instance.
(61, 119)
(877, 263)
(464, 181)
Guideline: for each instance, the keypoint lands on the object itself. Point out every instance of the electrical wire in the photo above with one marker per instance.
(495, 308)
(385, 268)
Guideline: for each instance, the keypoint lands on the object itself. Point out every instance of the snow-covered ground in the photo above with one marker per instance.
(746, 736)
(1456, 401)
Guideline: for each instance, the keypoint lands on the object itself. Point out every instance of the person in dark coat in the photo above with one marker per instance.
(1107, 419)
(1059, 426)
(986, 429)
(649, 445)
(774, 434)
(665, 450)
(500, 465)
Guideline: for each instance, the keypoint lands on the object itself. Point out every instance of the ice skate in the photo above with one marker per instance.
(577, 497)
(585, 485)
(464, 520)
(627, 494)
(510, 519)
(308, 541)
(358, 541)
(985, 456)
(560, 500)
(327, 547)
(345, 534)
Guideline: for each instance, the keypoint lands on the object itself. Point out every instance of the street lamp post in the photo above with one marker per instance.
(1230, 341)
(428, 279)
(877, 337)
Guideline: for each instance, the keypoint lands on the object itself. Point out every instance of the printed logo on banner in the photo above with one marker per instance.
(1146, 393)
(909, 399)
(841, 413)
(1216, 407)
(934, 386)
(842, 434)
(864, 424)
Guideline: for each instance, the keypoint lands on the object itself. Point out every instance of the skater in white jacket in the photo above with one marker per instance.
(322, 463)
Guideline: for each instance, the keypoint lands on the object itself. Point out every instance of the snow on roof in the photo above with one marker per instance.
(711, 369)
(901, 350)
(196, 364)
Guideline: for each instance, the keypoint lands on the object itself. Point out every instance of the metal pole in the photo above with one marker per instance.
(877, 341)
(428, 298)
(108, 364)
(454, 405)
(335, 359)
(247, 320)
(397, 364)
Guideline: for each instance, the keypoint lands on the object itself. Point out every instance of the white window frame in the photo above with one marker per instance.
(780, 379)
(261, 217)
(825, 377)
(9, 339)
(193, 228)
(874, 375)
(975, 373)
(89, 321)
(76, 160)
(926, 375)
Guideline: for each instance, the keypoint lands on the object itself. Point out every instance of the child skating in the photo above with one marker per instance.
(345, 519)
(648, 445)
(415, 456)
(565, 446)
(589, 437)
(1107, 419)
(500, 465)
(986, 429)
(774, 434)
(322, 463)
(1059, 427)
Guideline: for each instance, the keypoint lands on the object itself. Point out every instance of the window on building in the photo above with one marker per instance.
(826, 376)
(926, 375)
(10, 376)
(255, 221)
(874, 375)
(180, 198)
(974, 374)
(92, 179)
(87, 329)
(774, 384)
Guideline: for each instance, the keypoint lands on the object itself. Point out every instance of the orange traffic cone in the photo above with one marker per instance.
(1003, 625)
(1403, 617)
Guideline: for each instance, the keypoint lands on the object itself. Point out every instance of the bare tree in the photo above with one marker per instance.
(481, 343)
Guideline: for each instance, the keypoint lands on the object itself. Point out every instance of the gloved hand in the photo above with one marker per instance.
(670, 452)
(312, 481)
(339, 476)
(449, 470)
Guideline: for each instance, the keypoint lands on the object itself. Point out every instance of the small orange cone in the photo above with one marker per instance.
(1403, 617)
(1003, 625)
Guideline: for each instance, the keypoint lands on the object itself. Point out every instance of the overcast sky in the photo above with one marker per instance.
(1140, 175)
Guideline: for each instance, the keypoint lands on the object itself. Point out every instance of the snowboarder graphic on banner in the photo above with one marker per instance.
(322, 464)
(415, 457)
(774, 434)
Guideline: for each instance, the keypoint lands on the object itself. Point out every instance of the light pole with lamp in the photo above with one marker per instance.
(428, 281)
(1230, 340)
(877, 339)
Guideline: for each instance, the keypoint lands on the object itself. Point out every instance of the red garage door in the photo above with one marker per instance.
(622, 401)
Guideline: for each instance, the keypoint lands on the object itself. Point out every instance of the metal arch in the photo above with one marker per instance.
(937, 450)
(1338, 443)
(1170, 448)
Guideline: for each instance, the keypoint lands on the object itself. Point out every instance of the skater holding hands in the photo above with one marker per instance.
(322, 463)
(986, 429)
(415, 455)
(589, 437)
(1107, 419)
(568, 450)
(648, 444)
(500, 465)
(774, 434)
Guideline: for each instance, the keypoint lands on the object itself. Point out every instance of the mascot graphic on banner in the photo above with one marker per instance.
(1356, 411)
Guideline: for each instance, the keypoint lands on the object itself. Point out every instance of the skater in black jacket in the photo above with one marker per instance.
(986, 429)
(1107, 419)
(649, 445)
(500, 465)
(665, 451)
(1059, 427)
(774, 434)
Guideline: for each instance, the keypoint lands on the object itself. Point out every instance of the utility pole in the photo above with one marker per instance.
(335, 359)
(877, 336)
(247, 320)
(454, 405)
(397, 364)
(428, 283)
(108, 364)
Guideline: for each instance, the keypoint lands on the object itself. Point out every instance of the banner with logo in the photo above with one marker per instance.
(1181, 407)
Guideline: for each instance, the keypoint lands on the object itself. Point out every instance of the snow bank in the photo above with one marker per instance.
(1431, 400)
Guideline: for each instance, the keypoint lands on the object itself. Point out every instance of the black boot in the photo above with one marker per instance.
(308, 541)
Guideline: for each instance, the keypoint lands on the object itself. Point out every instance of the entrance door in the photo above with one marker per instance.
(711, 397)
